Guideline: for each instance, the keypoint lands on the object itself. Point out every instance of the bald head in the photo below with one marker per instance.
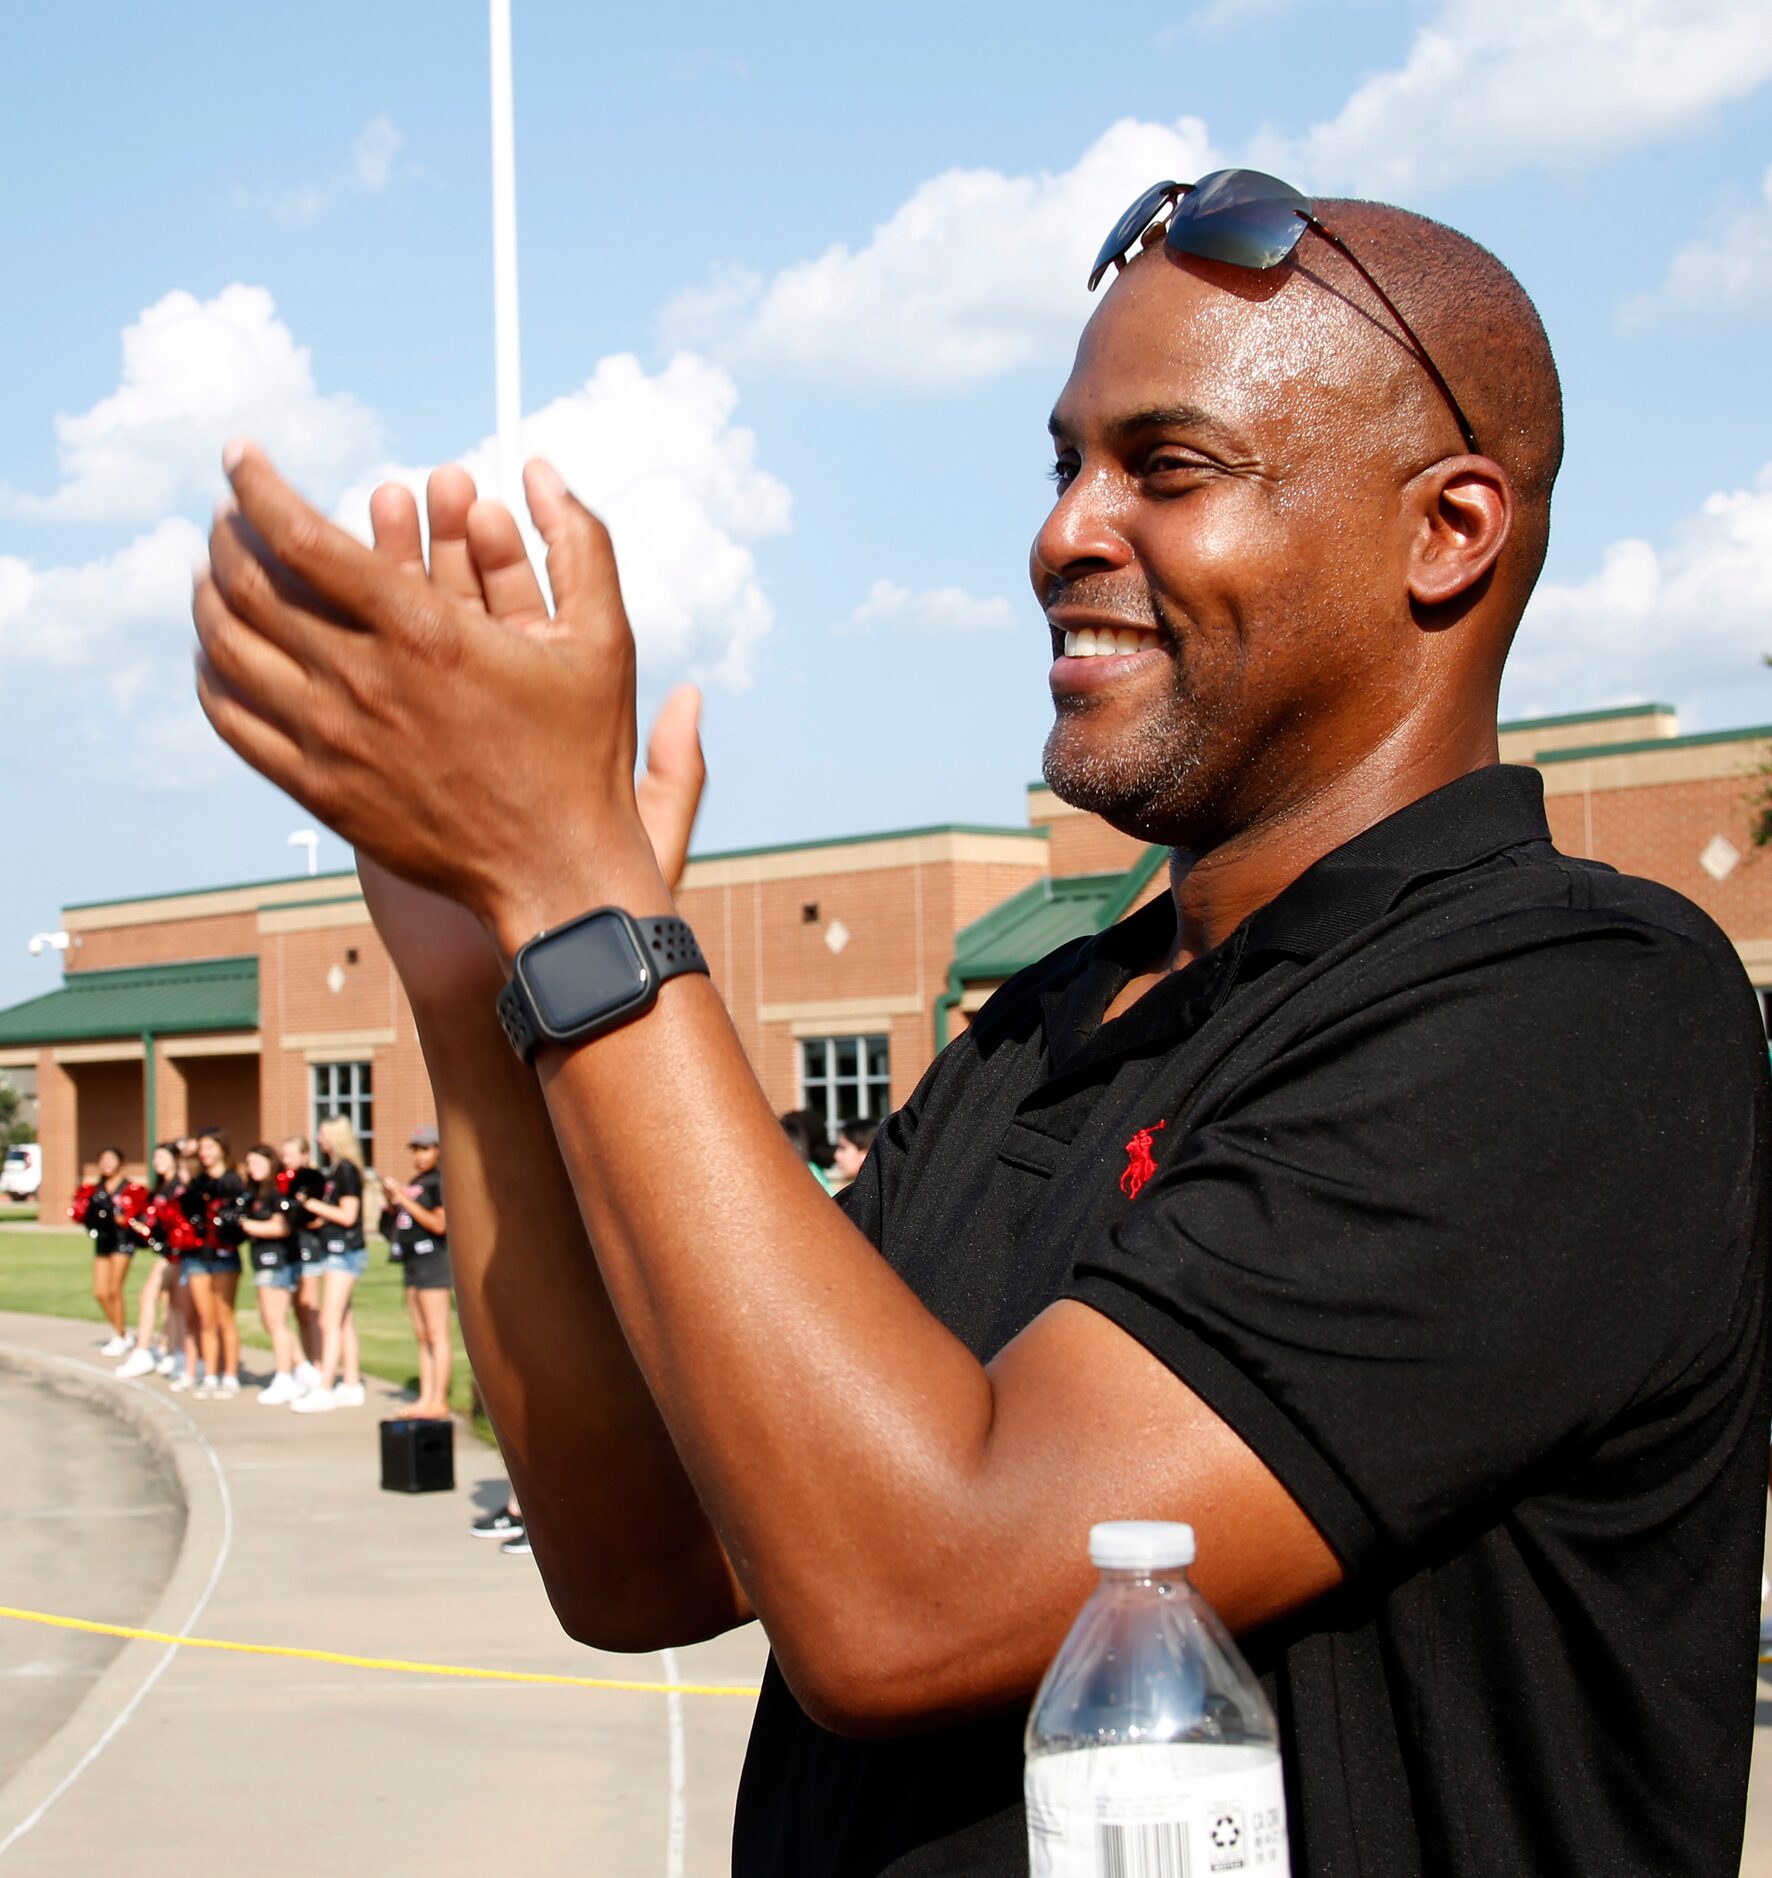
(1482, 331)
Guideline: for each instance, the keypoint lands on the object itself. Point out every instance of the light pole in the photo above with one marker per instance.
(506, 381)
(308, 838)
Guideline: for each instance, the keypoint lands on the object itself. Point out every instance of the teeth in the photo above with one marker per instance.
(1089, 642)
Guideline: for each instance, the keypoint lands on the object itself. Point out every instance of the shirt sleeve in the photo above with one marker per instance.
(1451, 1237)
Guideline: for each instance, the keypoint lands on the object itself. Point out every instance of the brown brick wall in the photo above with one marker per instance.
(1083, 845)
(164, 942)
(222, 1092)
(902, 922)
(108, 1109)
(1660, 833)
(55, 1130)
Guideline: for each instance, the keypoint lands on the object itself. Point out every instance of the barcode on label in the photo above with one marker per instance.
(1149, 1851)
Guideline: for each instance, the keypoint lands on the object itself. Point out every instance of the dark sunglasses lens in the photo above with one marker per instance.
(1239, 216)
(1129, 227)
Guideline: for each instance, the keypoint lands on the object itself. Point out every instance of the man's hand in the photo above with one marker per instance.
(478, 556)
(471, 743)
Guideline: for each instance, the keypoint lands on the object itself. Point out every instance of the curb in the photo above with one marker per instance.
(183, 1454)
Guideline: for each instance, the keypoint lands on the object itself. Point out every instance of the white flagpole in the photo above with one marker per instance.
(508, 387)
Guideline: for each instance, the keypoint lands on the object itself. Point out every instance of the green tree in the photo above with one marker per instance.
(13, 1127)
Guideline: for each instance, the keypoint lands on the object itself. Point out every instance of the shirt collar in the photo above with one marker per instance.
(1457, 826)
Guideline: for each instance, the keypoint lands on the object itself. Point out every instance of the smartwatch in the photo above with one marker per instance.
(591, 975)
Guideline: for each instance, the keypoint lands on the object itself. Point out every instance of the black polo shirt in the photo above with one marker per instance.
(1454, 1214)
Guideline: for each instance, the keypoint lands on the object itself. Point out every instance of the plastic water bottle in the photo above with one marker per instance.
(1151, 1751)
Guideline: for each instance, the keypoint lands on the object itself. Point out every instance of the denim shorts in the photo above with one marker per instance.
(216, 1264)
(277, 1277)
(353, 1264)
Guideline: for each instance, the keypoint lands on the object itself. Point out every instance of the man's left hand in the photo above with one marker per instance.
(469, 751)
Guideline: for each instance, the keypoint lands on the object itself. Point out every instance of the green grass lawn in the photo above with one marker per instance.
(50, 1274)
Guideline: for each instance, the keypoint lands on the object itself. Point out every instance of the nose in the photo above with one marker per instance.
(1079, 537)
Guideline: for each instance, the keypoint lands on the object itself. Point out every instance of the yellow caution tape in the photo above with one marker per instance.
(377, 1662)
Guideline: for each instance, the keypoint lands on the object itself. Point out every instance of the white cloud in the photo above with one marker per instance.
(937, 611)
(1488, 89)
(93, 615)
(194, 373)
(373, 151)
(1678, 621)
(369, 172)
(976, 273)
(1217, 19)
(677, 483)
(1729, 272)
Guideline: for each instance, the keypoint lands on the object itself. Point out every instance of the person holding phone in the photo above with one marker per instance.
(344, 1258)
(417, 1229)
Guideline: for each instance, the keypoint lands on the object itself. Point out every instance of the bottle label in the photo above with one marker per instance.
(1180, 1811)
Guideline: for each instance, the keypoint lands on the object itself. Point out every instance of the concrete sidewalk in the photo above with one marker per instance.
(179, 1760)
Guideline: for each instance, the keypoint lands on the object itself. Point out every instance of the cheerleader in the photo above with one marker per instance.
(266, 1219)
(344, 1258)
(213, 1270)
(163, 1228)
(104, 1207)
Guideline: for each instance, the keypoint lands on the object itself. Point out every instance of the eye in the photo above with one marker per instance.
(1168, 462)
(1063, 472)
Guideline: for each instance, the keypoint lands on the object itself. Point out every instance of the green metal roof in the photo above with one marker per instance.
(170, 1000)
(1753, 734)
(1612, 714)
(1048, 914)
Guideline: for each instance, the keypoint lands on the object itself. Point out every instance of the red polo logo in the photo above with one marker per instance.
(1139, 1164)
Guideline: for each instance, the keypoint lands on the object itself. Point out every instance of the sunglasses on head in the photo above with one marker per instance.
(1246, 219)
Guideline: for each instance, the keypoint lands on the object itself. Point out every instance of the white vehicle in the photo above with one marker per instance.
(22, 1173)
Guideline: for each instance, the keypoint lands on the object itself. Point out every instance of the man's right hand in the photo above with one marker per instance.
(439, 949)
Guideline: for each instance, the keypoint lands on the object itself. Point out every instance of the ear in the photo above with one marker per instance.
(1463, 513)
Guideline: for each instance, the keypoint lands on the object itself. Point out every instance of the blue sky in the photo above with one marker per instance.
(798, 288)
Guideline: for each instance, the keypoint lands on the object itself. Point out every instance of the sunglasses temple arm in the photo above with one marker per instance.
(1391, 307)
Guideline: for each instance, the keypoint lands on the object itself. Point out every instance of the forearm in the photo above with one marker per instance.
(428, 1217)
(336, 1213)
(836, 1432)
(629, 1557)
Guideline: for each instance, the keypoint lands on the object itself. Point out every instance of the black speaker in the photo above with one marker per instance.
(418, 1457)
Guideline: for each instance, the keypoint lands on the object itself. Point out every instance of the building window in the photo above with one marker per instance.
(343, 1089)
(844, 1078)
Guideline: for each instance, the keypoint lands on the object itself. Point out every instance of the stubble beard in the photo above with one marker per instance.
(1144, 780)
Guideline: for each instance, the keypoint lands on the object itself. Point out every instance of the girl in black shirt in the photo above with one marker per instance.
(338, 1212)
(214, 1198)
(154, 1229)
(276, 1266)
(103, 1208)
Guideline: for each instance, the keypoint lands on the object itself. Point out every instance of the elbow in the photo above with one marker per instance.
(886, 1678)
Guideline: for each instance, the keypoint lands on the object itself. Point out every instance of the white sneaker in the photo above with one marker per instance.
(137, 1363)
(315, 1402)
(305, 1377)
(209, 1389)
(118, 1346)
(350, 1395)
(230, 1385)
(282, 1389)
(170, 1364)
(179, 1384)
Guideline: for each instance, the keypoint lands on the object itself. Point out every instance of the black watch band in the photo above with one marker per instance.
(659, 949)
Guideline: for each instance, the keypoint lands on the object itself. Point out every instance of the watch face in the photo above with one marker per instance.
(585, 971)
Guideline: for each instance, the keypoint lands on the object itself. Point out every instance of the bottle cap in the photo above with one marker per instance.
(1129, 1544)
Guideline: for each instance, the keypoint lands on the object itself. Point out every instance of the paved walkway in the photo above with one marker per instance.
(182, 1760)
(234, 1521)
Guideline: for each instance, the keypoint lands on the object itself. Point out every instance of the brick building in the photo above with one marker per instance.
(846, 963)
